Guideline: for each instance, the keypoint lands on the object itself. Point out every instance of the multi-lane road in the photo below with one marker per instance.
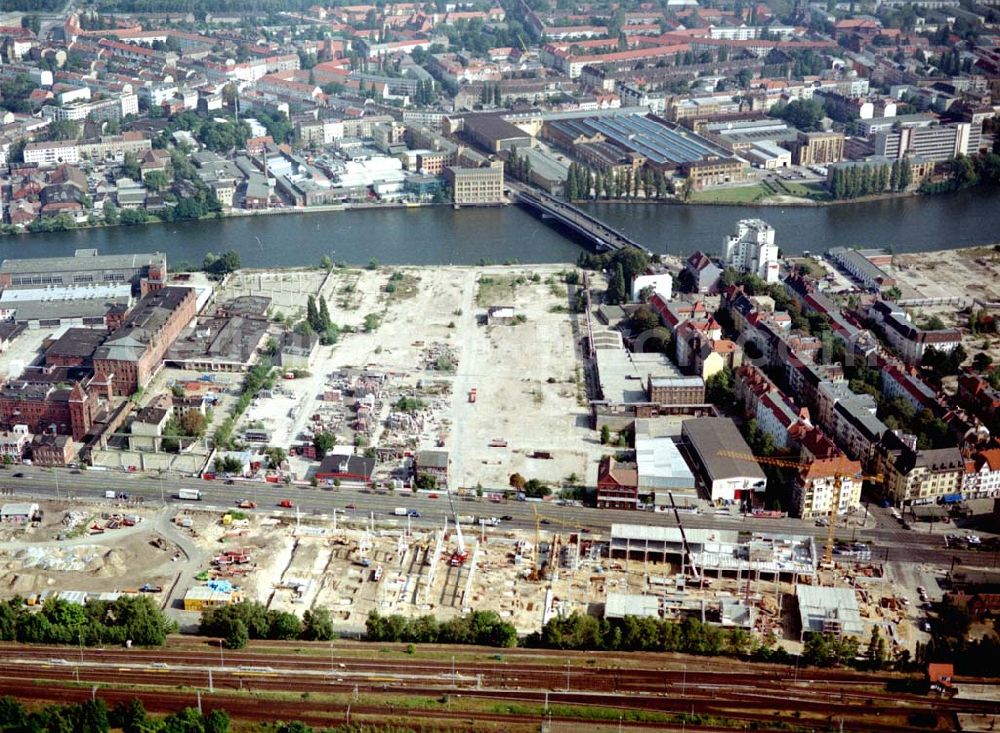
(913, 546)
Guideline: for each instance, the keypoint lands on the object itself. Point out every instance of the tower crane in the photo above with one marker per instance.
(838, 483)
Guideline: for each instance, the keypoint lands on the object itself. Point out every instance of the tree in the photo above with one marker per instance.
(536, 489)
(235, 634)
(616, 292)
(324, 443)
(110, 212)
(193, 424)
(317, 625)
(877, 652)
(216, 721)
(156, 180)
(719, 388)
(222, 265)
(517, 482)
(130, 167)
(605, 435)
(283, 625)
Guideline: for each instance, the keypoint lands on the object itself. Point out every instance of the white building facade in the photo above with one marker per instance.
(752, 249)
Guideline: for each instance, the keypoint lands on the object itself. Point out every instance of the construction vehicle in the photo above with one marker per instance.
(461, 554)
(838, 483)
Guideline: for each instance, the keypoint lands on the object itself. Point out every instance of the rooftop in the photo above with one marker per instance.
(710, 436)
(82, 260)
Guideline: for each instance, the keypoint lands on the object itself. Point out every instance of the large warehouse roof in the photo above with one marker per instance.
(711, 438)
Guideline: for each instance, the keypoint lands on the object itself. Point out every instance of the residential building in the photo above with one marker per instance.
(752, 249)
(13, 443)
(713, 441)
(703, 274)
(915, 476)
(984, 478)
(855, 428)
(52, 450)
(909, 341)
(814, 490)
(817, 148)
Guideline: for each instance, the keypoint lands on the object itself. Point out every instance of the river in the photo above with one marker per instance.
(441, 235)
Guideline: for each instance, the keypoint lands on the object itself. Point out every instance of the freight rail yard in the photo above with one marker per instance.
(475, 689)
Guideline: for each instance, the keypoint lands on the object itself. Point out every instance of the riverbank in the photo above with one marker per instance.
(440, 235)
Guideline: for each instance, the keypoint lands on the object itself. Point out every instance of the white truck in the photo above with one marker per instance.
(110, 495)
(400, 511)
(189, 494)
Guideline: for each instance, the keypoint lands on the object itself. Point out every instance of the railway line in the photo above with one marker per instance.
(649, 693)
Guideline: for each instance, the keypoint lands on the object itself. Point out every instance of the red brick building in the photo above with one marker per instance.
(133, 353)
(47, 404)
(617, 484)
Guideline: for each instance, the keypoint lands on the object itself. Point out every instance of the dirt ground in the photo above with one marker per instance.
(973, 273)
(425, 329)
(34, 559)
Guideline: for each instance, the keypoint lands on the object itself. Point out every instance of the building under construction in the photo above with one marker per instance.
(719, 553)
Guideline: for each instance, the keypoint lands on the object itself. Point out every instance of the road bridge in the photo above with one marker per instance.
(572, 217)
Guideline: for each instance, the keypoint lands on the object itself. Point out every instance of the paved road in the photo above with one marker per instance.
(915, 546)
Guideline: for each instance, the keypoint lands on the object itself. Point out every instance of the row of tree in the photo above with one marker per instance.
(584, 183)
(853, 181)
(482, 628)
(240, 622)
(519, 166)
(134, 618)
(582, 632)
(318, 320)
(92, 716)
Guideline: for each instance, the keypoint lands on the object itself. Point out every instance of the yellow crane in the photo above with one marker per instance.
(838, 482)
(536, 572)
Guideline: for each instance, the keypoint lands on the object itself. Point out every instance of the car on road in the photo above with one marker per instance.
(432, 496)
(150, 588)
(246, 504)
(351, 506)
(18, 475)
(545, 521)
(229, 482)
(286, 504)
(507, 518)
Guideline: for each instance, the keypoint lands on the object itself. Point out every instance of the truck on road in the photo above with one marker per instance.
(189, 494)
(110, 495)
(400, 511)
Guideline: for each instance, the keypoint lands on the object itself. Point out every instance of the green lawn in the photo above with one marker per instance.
(813, 191)
(740, 195)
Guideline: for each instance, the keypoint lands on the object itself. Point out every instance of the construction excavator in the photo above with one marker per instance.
(838, 483)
